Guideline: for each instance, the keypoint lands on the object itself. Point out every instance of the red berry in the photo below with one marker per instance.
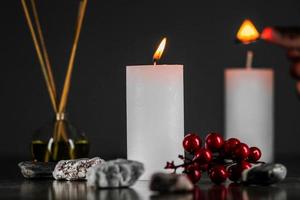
(204, 167)
(191, 143)
(241, 151)
(194, 175)
(218, 174)
(235, 171)
(244, 165)
(295, 71)
(214, 142)
(193, 166)
(229, 146)
(203, 156)
(254, 154)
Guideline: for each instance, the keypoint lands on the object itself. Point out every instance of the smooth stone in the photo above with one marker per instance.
(30, 169)
(166, 183)
(74, 169)
(265, 174)
(115, 174)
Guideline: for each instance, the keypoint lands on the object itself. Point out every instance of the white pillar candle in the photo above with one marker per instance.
(249, 108)
(155, 115)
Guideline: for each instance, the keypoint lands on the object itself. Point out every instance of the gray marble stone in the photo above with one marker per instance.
(265, 174)
(165, 183)
(115, 174)
(74, 169)
(31, 169)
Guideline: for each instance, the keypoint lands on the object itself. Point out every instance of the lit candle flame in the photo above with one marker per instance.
(159, 51)
(247, 32)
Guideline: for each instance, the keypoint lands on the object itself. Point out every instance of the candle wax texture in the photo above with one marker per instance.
(155, 115)
(249, 108)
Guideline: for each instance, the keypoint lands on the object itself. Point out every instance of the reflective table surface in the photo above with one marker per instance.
(14, 186)
(48, 189)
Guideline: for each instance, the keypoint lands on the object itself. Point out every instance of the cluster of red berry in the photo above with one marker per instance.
(221, 158)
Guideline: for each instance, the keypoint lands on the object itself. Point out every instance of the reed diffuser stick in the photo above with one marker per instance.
(79, 13)
(40, 57)
(66, 87)
(44, 49)
(61, 129)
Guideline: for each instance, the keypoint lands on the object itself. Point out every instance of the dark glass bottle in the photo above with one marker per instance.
(59, 140)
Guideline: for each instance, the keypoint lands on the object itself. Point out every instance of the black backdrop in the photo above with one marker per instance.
(126, 32)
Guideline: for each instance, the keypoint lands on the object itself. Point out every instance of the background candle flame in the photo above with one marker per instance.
(247, 32)
(160, 49)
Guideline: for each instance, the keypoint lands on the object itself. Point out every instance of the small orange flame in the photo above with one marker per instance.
(247, 32)
(160, 49)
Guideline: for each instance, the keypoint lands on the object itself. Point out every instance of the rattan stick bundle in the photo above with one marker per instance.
(67, 83)
(40, 56)
(40, 46)
(44, 49)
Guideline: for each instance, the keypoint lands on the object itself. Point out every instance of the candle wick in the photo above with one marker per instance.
(154, 62)
(249, 59)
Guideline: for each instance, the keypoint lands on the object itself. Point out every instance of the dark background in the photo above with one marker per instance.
(126, 32)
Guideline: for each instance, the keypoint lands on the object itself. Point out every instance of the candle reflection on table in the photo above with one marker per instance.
(67, 190)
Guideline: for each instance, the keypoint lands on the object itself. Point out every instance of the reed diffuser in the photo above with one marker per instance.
(59, 140)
